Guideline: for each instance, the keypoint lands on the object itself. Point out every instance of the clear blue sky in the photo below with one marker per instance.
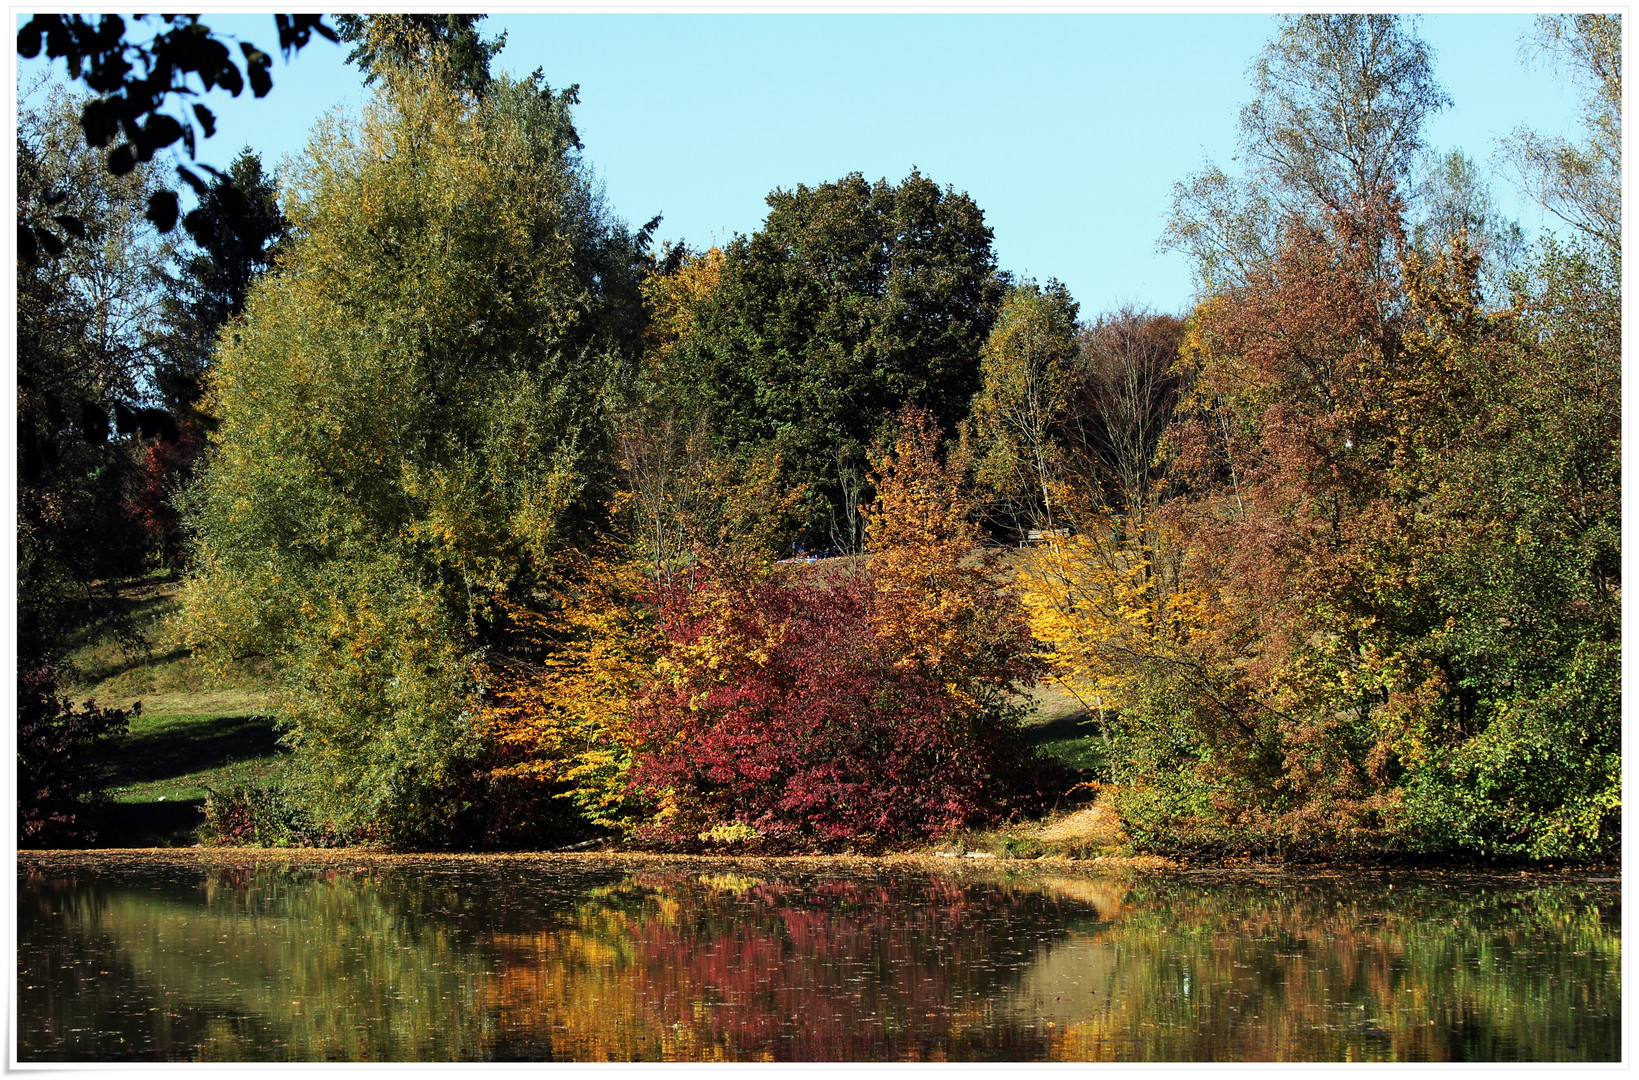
(1067, 130)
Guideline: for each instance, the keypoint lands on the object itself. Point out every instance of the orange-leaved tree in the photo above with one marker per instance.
(557, 699)
(941, 606)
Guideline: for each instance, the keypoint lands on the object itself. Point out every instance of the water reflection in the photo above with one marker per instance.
(588, 960)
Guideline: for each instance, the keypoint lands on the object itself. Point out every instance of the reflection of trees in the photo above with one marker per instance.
(442, 961)
(1338, 973)
(260, 963)
(727, 968)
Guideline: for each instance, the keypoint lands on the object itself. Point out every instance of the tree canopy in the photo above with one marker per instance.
(852, 299)
(389, 40)
(412, 418)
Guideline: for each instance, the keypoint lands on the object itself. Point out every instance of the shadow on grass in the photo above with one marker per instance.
(139, 612)
(131, 661)
(150, 824)
(1075, 741)
(180, 748)
(1076, 725)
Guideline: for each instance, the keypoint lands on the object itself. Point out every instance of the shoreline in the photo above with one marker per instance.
(1107, 865)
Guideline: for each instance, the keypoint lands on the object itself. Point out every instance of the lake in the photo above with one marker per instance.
(591, 958)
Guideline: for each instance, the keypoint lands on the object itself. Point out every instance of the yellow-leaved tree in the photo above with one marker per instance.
(1100, 579)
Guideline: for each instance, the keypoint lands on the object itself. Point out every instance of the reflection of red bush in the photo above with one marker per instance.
(785, 711)
(846, 970)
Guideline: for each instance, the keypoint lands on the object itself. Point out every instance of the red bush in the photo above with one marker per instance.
(860, 705)
(782, 710)
(162, 468)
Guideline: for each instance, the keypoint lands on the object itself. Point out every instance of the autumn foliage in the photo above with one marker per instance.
(1382, 639)
(558, 699)
(865, 705)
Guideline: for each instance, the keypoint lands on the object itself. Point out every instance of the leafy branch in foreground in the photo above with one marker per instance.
(134, 80)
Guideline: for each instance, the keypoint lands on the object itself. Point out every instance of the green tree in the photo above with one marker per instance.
(852, 299)
(1512, 473)
(1028, 365)
(239, 228)
(413, 417)
(86, 303)
(400, 39)
(235, 229)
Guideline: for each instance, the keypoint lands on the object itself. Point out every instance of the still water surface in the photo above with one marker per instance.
(601, 959)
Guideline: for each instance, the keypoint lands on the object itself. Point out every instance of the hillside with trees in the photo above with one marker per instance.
(521, 514)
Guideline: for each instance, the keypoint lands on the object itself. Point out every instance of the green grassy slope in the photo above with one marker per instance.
(1060, 727)
(197, 729)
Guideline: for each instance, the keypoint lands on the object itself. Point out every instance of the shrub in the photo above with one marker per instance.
(266, 812)
(781, 713)
(828, 706)
(60, 780)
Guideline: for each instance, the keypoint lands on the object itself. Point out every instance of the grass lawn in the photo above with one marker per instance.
(197, 729)
(1061, 727)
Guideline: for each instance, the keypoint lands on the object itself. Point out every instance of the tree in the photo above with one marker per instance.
(557, 707)
(937, 608)
(852, 299)
(1454, 198)
(85, 316)
(240, 227)
(1286, 511)
(401, 39)
(235, 233)
(1103, 592)
(1403, 544)
(1126, 388)
(1028, 366)
(1580, 183)
(1336, 121)
(1339, 109)
(1515, 466)
(413, 419)
(684, 490)
(128, 110)
(563, 684)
